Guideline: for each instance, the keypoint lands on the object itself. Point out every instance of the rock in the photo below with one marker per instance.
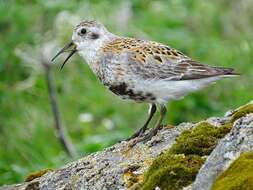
(117, 167)
(238, 175)
(239, 140)
(188, 187)
(122, 167)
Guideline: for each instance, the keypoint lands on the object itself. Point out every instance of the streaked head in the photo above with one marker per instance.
(87, 37)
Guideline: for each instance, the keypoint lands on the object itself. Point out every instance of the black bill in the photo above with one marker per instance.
(70, 47)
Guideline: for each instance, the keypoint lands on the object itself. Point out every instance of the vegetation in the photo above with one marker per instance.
(93, 117)
(178, 167)
(242, 111)
(200, 141)
(238, 176)
(35, 175)
(177, 171)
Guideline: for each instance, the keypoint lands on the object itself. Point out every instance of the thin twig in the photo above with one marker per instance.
(61, 135)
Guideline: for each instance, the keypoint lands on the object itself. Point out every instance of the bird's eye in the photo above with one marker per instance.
(83, 31)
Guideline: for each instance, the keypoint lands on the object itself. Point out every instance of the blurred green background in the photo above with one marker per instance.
(218, 32)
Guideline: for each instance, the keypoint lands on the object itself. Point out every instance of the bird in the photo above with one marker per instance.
(140, 70)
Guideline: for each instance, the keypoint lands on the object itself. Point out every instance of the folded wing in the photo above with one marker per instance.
(152, 60)
(167, 63)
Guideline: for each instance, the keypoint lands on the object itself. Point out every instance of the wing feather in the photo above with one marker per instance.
(152, 60)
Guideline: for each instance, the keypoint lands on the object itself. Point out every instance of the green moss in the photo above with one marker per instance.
(37, 174)
(201, 140)
(204, 137)
(242, 111)
(239, 175)
(177, 171)
(178, 166)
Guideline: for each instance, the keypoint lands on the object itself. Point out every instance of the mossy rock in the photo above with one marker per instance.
(239, 175)
(179, 165)
(204, 137)
(37, 174)
(176, 172)
(242, 111)
(201, 140)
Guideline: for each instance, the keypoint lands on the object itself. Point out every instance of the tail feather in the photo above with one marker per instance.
(226, 71)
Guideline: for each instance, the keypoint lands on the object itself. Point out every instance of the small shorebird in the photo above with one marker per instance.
(140, 70)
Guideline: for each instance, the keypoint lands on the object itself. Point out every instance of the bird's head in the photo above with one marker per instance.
(87, 38)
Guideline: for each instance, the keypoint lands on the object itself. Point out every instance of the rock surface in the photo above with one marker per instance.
(122, 167)
(240, 139)
(117, 167)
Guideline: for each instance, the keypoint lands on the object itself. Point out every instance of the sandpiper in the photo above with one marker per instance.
(140, 70)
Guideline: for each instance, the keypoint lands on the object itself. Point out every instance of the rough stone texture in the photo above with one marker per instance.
(240, 139)
(116, 167)
(122, 167)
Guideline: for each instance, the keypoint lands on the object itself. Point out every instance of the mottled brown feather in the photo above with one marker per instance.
(156, 60)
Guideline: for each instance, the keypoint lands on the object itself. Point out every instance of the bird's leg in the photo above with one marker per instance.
(154, 131)
(142, 130)
(158, 126)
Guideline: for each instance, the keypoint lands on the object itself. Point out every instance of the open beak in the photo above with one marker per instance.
(70, 47)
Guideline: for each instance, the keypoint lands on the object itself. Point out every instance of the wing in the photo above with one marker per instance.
(151, 60)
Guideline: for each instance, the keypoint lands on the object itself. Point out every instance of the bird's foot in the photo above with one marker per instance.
(138, 133)
(144, 138)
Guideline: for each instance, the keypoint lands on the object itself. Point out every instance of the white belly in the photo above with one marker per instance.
(172, 90)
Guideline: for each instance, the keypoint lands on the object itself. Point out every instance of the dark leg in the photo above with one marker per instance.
(142, 130)
(154, 131)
